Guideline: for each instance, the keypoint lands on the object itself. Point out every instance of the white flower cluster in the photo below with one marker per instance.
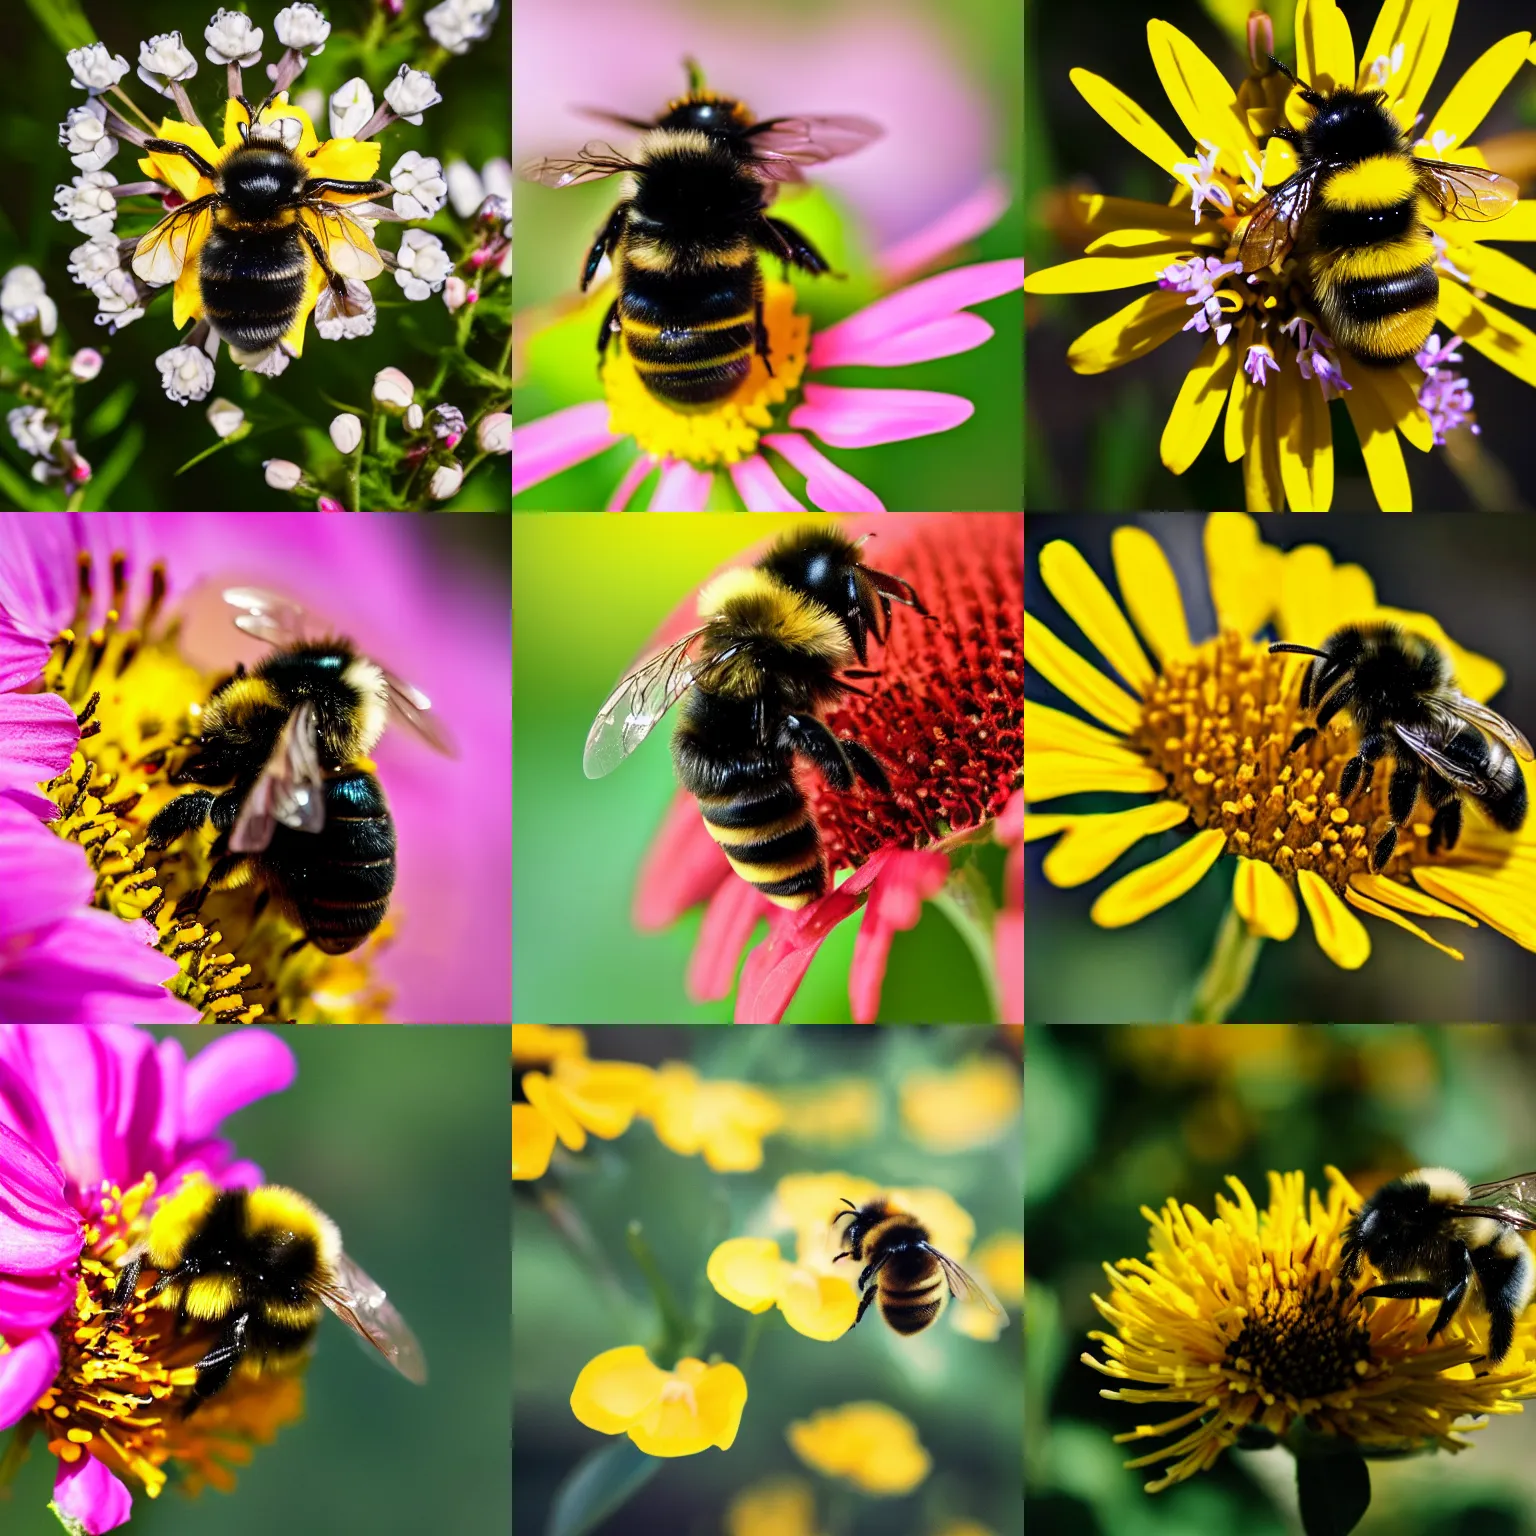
(420, 188)
(87, 203)
(232, 39)
(164, 61)
(84, 134)
(410, 93)
(98, 268)
(302, 28)
(455, 24)
(186, 373)
(423, 264)
(24, 301)
(37, 434)
(95, 69)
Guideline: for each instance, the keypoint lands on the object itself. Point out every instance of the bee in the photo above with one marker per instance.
(299, 812)
(1435, 1237)
(260, 1263)
(772, 654)
(266, 219)
(684, 244)
(911, 1277)
(1399, 690)
(1355, 210)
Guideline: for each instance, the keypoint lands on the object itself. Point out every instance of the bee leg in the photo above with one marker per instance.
(218, 1365)
(1403, 791)
(126, 1283)
(864, 1302)
(1371, 748)
(790, 246)
(1302, 737)
(607, 240)
(217, 871)
(760, 330)
(1383, 850)
(1327, 708)
(338, 284)
(865, 764)
(605, 332)
(1445, 829)
(806, 734)
(171, 147)
(177, 816)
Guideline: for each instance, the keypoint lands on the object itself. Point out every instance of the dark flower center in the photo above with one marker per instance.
(1301, 1344)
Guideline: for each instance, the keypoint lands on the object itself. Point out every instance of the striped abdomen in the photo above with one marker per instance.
(912, 1290)
(690, 335)
(252, 282)
(1371, 260)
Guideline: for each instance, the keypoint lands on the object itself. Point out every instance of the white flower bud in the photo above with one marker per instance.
(414, 417)
(282, 474)
(269, 362)
(23, 298)
(455, 293)
(423, 264)
(420, 188)
(302, 28)
(232, 39)
(87, 203)
(446, 479)
(455, 24)
(84, 134)
(117, 300)
(32, 429)
(410, 93)
(465, 190)
(225, 417)
(351, 107)
(85, 364)
(185, 373)
(163, 59)
(392, 389)
(91, 262)
(95, 69)
(497, 176)
(339, 318)
(494, 434)
(346, 432)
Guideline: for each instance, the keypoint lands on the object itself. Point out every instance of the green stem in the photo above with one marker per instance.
(677, 1328)
(1227, 973)
(133, 107)
(354, 479)
(965, 900)
(756, 1325)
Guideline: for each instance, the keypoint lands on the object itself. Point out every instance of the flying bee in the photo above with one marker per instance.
(684, 243)
(1435, 1237)
(300, 813)
(1355, 210)
(910, 1276)
(257, 233)
(1399, 690)
(771, 656)
(260, 1263)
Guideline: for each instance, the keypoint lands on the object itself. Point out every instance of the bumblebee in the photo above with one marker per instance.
(261, 1263)
(1399, 690)
(1355, 210)
(684, 244)
(772, 655)
(910, 1276)
(1435, 1237)
(299, 812)
(265, 221)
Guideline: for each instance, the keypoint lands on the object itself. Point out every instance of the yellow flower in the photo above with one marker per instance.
(782, 1506)
(540, 1044)
(1205, 730)
(966, 1107)
(871, 1445)
(726, 1121)
(666, 1413)
(1254, 328)
(750, 1272)
(533, 1142)
(1244, 1319)
(602, 1097)
(830, 1114)
(1000, 1262)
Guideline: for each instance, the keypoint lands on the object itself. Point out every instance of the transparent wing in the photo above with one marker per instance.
(267, 615)
(161, 254)
(1423, 748)
(1488, 720)
(1468, 191)
(811, 140)
(1511, 1200)
(633, 709)
(347, 244)
(289, 789)
(964, 1285)
(594, 161)
(413, 708)
(361, 1304)
(1273, 225)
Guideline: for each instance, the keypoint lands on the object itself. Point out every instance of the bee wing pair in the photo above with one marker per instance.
(1470, 712)
(290, 788)
(160, 256)
(1512, 1201)
(963, 1285)
(361, 1304)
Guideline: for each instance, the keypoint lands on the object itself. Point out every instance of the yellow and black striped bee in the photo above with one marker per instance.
(300, 812)
(772, 654)
(684, 243)
(1355, 210)
(910, 1276)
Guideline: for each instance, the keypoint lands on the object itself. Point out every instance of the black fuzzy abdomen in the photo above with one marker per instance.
(690, 334)
(253, 282)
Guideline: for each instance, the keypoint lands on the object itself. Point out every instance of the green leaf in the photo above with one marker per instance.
(243, 430)
(1335, 1491)
(105, 480)
(64, 22)
(19, 493)
(108, 416)
(598, 1485)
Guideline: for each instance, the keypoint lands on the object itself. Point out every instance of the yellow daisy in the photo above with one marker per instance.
(1205, 727)
(1266, 362)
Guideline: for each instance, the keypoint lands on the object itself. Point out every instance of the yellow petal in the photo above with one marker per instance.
(1082, 682)
(1502, 340)
(187, 295)
(1144, 240)
(1200, 94)
(1244, 572)
(1095, 842)
(1050, 730)
(1263, 900)
(1473, 96)
(1129, 333)
(1150, 591)
(747, 1271)
(1325, 52)
(1099, 274)
(819, 1306)
(1101, 214)
(1518, 224)
(1241, 408)
(870, 1444)
(1316, 596)
(1048, 775)
(1037, 827)
(1376, 909)
(550, 1102)
(1378, 441)
(174, 169)
(1340, 934)
(1128, 120)
(539, 1044)
(1494, 898)
(699, 1407)
(1306, 442)
(346, 160)
(1262, 488)
(1198, 406)
(1406, 899)
(1494, 272)
(1397, 389)
(616, 1388)
(1087, 602)
(1426, 33)
(314, 282)
(603, 1095)
(1156, 884)
(533, 1142)
(722, 1395)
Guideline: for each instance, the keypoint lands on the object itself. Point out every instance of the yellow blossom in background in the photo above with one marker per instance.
(1242, 1321)
(724, 1120)
(539, 1044)
(750, 1272)
(999, 1263)
(533, 1142)
(578, 1096)
(871, 1445)
(781, 1506)
(964, 1528)
(831, 1114)
(666, 1413)
(967, 1106)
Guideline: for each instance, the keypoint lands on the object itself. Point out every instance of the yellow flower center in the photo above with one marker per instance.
(1298, 1345)
(727, 431)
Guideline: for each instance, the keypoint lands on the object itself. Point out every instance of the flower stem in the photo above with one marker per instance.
(1227, 973)
(133, 107)
(965, 900)
(755, 1326)
(678, 1329)
(354, 477)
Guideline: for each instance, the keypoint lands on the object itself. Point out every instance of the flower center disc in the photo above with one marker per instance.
(1300, 1344)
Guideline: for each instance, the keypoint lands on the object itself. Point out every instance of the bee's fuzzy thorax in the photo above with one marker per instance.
(752, 602)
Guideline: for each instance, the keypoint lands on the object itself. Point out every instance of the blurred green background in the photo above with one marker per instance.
(400, 1136)
(133, 435)
(1473, 574)
(963, 1396)
(1093, 440)
(1121, 1117)
(800, 55)
(587, 595)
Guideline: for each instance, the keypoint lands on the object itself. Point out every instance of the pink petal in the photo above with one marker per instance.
(39, 1233)
(555, 442)
(26, 1372)
(683, 866)
(733, 912)
(895, 903)
(31, 1303)
(631, 482)
(45, 877)
(935, 298)
(231, 1072)
(760, 489)
(828, 487)
(682, 488)
(35, 804)
(916, 344)
(22, 656)
(980, 211)
(1009, 827)
(1008, 936)
(86, 1491)
(775, 969)
(866, 418)
(71, 1072)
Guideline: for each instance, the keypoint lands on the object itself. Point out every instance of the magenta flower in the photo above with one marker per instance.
(443, 956)
(95, 1122)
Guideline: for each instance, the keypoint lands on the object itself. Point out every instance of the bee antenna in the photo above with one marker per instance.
(849, 1203)
(1283, 70)
(1297, 650)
